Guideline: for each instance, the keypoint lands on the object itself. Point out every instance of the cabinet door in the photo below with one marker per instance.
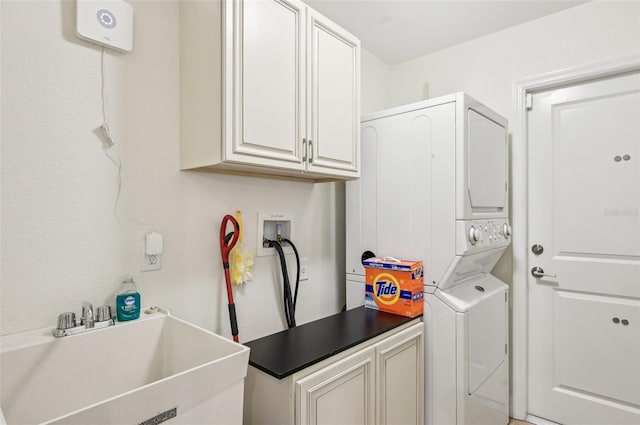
(265, 80)
(341, 393)
(400, 377)
(361, 206)
(333, 97)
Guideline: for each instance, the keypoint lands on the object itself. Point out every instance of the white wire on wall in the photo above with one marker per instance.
(104, 132)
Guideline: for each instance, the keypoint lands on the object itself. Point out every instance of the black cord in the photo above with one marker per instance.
(295, 296)
(289, 307)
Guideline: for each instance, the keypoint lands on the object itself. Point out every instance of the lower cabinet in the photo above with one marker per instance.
(378, 382)
(341, 393)
(400, 378)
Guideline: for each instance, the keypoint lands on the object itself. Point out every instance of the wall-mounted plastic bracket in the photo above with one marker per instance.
(269, 224)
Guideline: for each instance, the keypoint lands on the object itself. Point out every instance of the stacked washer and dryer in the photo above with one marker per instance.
(434, 187)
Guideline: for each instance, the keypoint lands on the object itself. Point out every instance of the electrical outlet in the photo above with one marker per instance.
(151, 252)
(304, 269)
(151, 262)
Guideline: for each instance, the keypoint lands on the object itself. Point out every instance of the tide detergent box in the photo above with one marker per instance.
(394, 286)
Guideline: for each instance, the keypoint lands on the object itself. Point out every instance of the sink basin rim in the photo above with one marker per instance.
(238, 357)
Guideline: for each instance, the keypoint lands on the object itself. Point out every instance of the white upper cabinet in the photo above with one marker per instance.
(266, 61)
(333, 75)
(268, 87)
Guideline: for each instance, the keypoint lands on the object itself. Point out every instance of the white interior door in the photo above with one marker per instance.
(584, 201)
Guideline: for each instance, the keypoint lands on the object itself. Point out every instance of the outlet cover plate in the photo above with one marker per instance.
(304, 269)
(150, 263)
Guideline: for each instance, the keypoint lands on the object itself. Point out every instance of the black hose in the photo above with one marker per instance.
(289, 306)
(295, 296)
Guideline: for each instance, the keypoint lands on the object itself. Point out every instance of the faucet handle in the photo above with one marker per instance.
(87, 318)
(103, 313)
(67, 320)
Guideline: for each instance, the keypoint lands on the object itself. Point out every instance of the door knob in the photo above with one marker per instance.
(538, 272)
(537, 249)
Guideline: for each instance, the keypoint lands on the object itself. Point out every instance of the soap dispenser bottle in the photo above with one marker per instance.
(127, 300)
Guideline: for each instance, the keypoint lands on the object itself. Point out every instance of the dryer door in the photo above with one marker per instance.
(487, 163)
(487, 331)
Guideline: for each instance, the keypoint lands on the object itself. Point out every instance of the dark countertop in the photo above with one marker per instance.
(289, 351)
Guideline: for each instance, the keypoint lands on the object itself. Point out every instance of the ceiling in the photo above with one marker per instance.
(399, 30)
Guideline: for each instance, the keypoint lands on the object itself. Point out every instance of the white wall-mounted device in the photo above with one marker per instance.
(153, 244)
(105, 22)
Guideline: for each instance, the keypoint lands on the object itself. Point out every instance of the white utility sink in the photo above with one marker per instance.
(125, 374)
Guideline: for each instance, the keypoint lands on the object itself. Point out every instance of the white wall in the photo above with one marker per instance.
(62, 243)
(376, 83)
(486, 67)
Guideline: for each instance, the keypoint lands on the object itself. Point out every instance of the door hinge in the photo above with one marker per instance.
(528, 101)
(505, 348)
(505, 297)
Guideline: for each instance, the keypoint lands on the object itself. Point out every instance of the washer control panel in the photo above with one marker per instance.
(478, 235)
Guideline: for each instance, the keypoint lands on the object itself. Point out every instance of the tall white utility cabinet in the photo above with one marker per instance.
(391, 209)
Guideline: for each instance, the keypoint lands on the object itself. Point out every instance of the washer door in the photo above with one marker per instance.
(487, 331)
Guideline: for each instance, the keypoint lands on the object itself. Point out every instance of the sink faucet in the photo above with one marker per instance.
(87, 315)
(89, 320)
